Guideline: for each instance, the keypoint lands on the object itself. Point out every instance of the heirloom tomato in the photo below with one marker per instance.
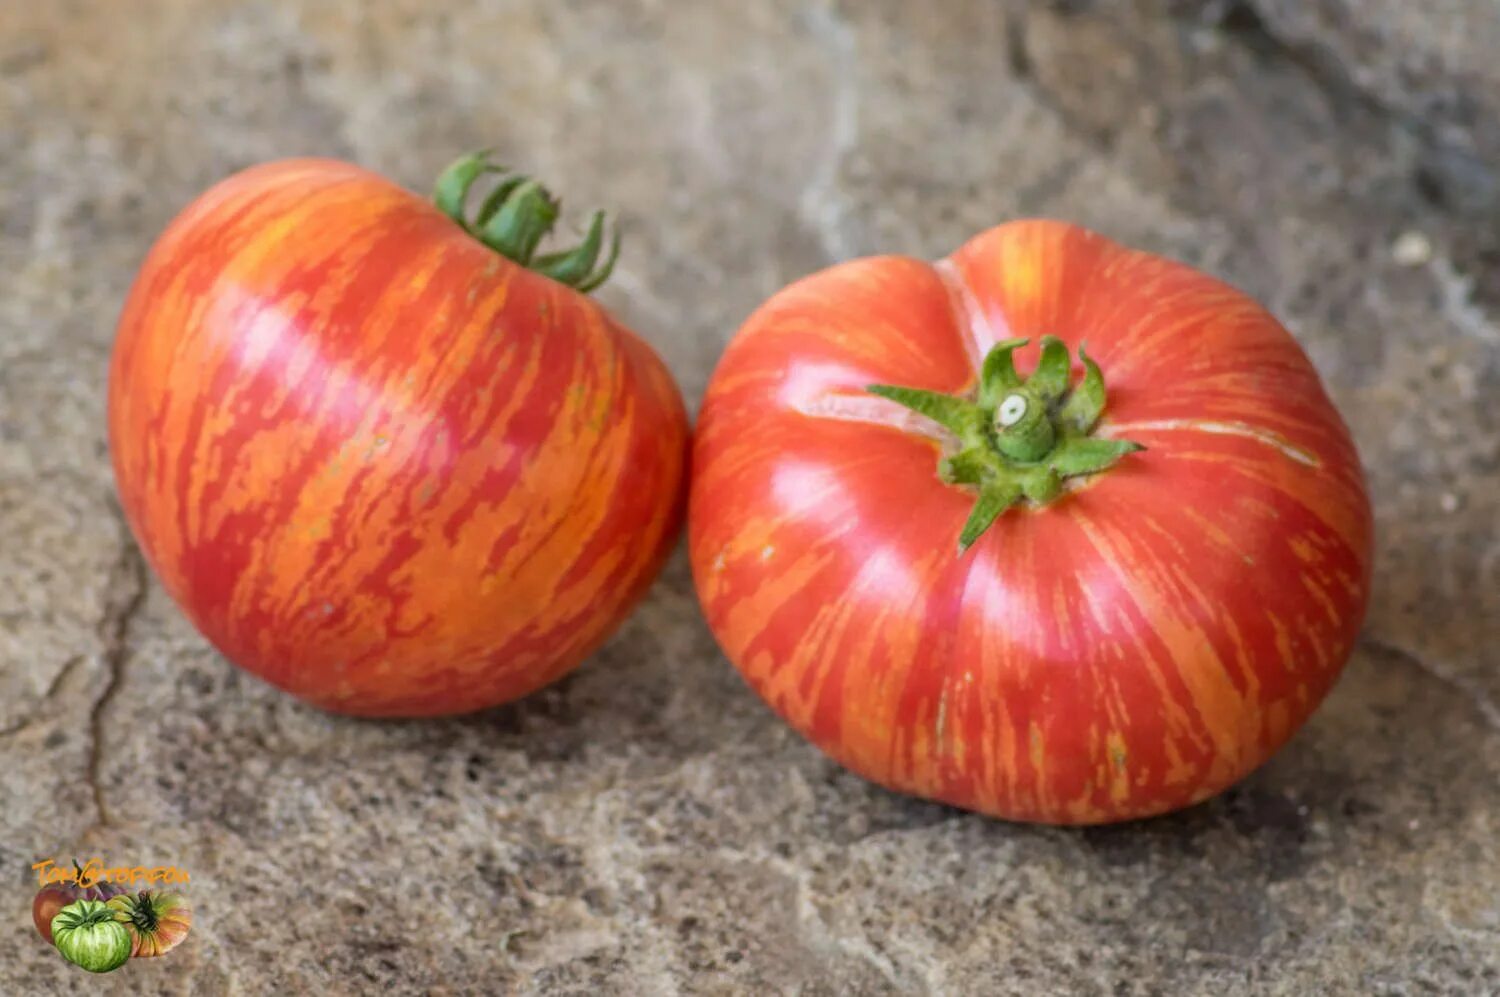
(87, 935)
(157, 921)
(385, 454)
(1011, 593)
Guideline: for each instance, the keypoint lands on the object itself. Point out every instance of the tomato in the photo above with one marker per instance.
(382, 453)
(87, 935)
(977, 587)
(55, 896)
(157, 921)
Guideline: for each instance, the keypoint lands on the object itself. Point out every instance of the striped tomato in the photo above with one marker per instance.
(995, 591)
(157, 920)
(383, 454)
(88, 936)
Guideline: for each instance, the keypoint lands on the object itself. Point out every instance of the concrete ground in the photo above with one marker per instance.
(647, 826)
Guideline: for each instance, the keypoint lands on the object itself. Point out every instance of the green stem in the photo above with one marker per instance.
(143, 911)
(516, 216)
(1017, 439)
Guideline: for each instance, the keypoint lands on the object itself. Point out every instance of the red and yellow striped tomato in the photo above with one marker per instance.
(386, 456)
(1155, 593)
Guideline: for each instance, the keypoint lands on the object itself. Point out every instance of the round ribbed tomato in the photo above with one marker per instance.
(1102, 590)
(88, 936)
(157, 920)
(383, 454)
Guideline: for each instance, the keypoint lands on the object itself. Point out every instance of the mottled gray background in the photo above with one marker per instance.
(647, 826)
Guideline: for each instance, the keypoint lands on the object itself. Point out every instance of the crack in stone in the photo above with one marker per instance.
(127, 589)
(61, 677)
(1488, 711)
(48, 696)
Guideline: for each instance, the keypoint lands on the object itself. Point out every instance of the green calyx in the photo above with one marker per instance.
(514, 218)
(1018, 439)
(141, 911)
(83, 913)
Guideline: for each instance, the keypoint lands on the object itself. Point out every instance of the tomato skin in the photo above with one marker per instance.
(376, 463)
(1137, 645)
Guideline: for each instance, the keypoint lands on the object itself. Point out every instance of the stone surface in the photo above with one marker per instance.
(1430, 65)
(647, 826)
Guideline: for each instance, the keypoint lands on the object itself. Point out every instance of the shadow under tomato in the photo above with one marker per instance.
(658, 685)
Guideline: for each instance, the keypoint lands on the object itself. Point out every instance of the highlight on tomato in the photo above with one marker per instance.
(385, 452)
(1051, 529)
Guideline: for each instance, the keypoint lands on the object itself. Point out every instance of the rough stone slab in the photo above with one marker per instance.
(647, 826)
(1432, 64)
